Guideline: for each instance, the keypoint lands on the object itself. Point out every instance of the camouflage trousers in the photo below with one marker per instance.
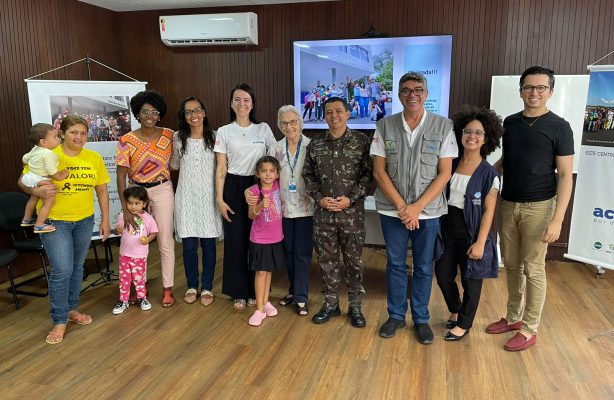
(333, 236)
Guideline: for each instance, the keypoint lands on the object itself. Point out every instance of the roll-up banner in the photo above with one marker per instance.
(106, 107)
(591, 239)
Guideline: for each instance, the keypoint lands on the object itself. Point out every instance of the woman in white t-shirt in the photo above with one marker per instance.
(238, 146)
(467, 237)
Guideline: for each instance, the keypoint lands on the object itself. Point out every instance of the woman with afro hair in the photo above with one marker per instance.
(143, 157)
(468, 242)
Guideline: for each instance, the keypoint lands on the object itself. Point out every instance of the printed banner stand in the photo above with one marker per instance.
(591, 238)
(105, 106)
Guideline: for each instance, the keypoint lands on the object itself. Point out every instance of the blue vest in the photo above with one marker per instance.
(478, 188)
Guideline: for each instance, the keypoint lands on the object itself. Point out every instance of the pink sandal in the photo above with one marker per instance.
(80, 319)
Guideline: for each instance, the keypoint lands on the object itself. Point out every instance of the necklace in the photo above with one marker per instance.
(243, 129)
(535, 120)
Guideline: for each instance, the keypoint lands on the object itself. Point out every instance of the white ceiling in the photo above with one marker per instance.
(141, 5)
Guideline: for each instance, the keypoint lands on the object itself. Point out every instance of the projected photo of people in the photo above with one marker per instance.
(598, 129)
(108, 117)
(361, 74)
(365, 72)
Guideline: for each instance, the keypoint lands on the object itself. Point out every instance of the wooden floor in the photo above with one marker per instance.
(193, 352)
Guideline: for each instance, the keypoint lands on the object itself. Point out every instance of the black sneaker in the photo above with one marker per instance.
(424, 334)
(389, 328)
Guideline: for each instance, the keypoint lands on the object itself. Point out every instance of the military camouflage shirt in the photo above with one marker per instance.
(339, 167)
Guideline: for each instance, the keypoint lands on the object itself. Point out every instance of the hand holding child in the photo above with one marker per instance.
(251, 199)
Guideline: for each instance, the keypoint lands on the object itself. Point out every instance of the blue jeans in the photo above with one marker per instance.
(363, 102)
(190, 261)
(66, 248)
(298, 245)
(397, 236)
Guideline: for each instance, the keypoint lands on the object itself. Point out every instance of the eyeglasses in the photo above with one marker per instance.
(150, 112)
(197, 111)
(408, 92)
(478, 133)
(292, 123)
(529, 88)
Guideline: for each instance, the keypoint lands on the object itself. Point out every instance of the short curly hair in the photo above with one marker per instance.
(147, 97)
(493, 127)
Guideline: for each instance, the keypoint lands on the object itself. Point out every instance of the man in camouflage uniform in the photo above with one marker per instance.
(338, 173)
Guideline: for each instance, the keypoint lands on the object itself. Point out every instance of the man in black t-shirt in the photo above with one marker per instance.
(536, 145)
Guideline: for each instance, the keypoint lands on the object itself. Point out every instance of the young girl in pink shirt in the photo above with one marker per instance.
(266, 252)
(134, 248)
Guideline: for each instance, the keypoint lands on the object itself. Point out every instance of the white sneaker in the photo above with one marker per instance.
(120, 307)
(144, 304)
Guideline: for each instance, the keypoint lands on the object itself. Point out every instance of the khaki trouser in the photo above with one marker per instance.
(521, 227)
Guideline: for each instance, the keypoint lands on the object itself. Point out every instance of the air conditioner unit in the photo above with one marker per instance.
(209, 29)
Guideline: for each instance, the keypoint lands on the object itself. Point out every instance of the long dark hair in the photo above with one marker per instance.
(264, 160)
(246, 88)
(184, 127)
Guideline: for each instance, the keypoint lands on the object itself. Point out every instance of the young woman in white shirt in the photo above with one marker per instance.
(238, 146)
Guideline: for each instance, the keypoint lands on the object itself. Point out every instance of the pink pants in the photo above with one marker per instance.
(162, 206)
(131, 270)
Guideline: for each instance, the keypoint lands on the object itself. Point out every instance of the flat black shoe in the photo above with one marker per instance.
(451, 323)
(389, 328)
(356, 317)
(450, 337)
(424, 334)
(326, 313)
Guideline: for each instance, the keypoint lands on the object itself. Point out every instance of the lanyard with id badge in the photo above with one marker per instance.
(292, 183)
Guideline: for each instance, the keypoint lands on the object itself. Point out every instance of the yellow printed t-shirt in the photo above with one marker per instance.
(75, 198)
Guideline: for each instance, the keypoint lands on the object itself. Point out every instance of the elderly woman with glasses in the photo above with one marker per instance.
(296, 203)
(467, 237)
(143, 156)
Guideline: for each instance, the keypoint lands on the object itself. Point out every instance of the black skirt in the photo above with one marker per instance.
(266, 257)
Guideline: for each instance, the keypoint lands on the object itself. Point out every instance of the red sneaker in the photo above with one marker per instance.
(519, 342)
(503, 326)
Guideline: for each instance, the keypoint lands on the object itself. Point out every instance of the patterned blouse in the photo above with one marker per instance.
(146, 162)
